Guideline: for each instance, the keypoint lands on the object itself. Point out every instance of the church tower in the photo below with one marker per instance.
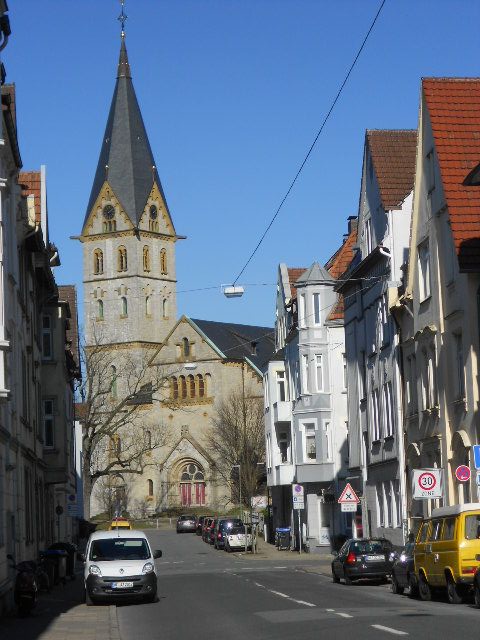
(128, 234)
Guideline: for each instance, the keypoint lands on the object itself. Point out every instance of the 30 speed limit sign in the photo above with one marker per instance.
(427, 484)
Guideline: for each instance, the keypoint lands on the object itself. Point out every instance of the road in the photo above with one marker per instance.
(205, 594)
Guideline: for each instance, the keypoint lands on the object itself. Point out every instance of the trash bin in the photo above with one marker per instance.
(71, 551)
(59, 559)
(282, 535)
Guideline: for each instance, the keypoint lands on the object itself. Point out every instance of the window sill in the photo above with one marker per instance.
(122, 317)
(426, 299)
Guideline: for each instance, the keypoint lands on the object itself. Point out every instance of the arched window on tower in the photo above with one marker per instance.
(97, 262)
(174, 388)
(146, 259)
(191, 386)
(148, 439)
(122, 259)
(100, 310)
(150, 488)
(201, 386)
(185, 348)
(183, 387)
(165, 308)
(163, 261)
(113, 381)
(124, 307)
(148, 306)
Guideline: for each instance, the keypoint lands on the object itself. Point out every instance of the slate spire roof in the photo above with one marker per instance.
(126, 160)
(316, 274)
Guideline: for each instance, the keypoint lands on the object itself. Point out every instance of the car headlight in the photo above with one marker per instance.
(94, 570)
(148, 567)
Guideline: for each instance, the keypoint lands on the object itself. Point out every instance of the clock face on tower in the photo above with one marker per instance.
(108, 211)
(153, 212)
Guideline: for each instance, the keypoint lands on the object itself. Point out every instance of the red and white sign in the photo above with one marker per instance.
(427, 484)
(348, 496)
(462, 473)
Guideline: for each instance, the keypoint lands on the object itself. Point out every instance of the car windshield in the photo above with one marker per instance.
(472, 527)
(240, 530)
(187, 518)
(228, 524)
(119, 549)
(371, 546)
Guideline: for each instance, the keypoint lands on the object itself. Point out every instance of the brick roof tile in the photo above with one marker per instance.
(393, 154)
(31, 185)
(454, 108)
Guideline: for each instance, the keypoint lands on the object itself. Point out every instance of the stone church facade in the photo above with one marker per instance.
(129, 277)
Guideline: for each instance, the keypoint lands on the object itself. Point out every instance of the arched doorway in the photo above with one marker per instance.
(192, 484)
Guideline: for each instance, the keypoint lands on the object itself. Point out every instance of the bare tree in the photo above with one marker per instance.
(118, 438)
(113, 495)
(237, 437)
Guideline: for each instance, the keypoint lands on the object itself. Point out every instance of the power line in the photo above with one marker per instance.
(304, 162)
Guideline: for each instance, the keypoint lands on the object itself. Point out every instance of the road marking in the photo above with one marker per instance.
(279, 567)
(257, 584)
(343, 615)
(284, 595)
(178, 562)
(395, 632)
(308, 604)
(330, 610)
(279, 593)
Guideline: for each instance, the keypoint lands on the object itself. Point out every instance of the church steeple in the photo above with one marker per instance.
(126, 160)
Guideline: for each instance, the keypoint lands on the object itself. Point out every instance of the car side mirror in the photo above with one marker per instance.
(157, 554)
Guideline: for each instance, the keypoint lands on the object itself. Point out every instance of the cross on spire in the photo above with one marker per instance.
(122, 18)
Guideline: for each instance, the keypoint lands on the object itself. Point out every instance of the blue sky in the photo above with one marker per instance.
(232, 93)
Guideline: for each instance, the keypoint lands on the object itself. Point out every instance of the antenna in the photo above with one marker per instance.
(122, 18)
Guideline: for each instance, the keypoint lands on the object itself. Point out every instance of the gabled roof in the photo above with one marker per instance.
(393, 153)
(339, 264)
(239, 341)
(31, 183)
(454, 108)
(314, 275)
(126, 160)
(294, 274)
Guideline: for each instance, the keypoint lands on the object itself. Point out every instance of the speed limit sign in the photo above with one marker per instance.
(427, 484)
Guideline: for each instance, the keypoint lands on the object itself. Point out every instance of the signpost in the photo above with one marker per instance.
(348, 499)
(427, 484)
(298, 504)
(462, 473)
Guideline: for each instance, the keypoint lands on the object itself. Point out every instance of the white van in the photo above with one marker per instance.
(119, 564)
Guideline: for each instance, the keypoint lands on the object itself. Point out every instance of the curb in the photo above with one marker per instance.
(114, 628)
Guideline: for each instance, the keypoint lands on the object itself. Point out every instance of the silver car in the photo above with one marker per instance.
(186, 523)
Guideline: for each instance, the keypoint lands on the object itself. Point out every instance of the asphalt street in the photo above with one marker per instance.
(204, 593)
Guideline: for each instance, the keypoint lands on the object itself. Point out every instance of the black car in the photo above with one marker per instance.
(364, 559)
(200, 521)
(403, 571)
(186, 523)
(221, 526)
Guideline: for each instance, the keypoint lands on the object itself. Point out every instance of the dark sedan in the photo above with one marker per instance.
(403, 571)
(365, 559)
(186, 523)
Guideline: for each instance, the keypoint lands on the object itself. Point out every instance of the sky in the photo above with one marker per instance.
(232, 93)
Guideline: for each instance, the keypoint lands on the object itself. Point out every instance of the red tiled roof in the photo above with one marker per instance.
(339, 263)
(454, 108)
(294, 274)
(31, 185)
(393, 154)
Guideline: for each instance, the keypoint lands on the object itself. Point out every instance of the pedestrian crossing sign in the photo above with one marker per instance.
(348, 496)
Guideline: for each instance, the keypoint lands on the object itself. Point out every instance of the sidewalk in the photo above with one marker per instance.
(62, 615)
(309, 562)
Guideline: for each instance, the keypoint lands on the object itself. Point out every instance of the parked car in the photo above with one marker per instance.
(118, 565)
(221, 527)
(403, 571)
(235, 539)
(207, 523)
(200, 521)
(186, 523)
(447, 551)
(211, 531)
(367, 558)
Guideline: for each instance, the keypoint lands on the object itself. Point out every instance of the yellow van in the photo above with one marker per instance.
(447, 551)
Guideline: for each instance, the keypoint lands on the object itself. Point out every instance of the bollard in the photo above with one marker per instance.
(157, 523)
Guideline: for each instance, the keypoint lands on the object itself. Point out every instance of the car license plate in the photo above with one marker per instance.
(375, 558)
(122, 585)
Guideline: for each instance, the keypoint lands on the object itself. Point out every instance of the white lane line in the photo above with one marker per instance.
(257, 584)
(343, 615)
(279, 567)
(395, 632)
(178, 562)
(284, 595)
(308, 604)
(330, 610)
